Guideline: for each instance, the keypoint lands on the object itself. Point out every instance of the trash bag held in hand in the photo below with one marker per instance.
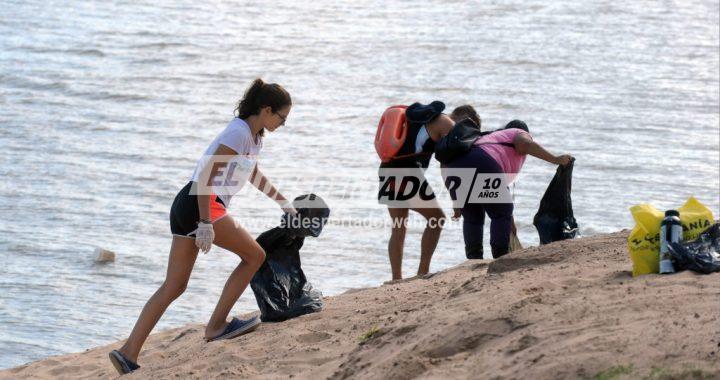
(644, 239)
(280, 287)
(554, 219)
(701, 255)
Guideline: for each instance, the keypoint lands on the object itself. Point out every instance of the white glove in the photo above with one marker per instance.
(204, 236)
(287, 207)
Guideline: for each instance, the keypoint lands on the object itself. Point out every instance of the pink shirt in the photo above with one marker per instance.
(508, 158)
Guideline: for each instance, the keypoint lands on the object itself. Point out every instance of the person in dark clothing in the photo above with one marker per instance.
(502, 152)
(466, 111)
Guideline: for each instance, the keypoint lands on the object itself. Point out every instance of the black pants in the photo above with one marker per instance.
(474, 213)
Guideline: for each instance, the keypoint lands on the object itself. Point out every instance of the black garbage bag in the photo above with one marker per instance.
(280, 287)
(554, 219)
(700, 255)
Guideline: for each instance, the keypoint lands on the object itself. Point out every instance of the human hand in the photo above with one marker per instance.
(563, 160)
(457, 213)
(204, 236)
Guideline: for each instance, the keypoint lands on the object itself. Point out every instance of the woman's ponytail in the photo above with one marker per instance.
(260, 95)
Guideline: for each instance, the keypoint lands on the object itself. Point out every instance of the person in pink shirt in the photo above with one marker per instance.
(503, 151)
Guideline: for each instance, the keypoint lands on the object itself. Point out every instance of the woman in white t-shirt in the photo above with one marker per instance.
(198, 219)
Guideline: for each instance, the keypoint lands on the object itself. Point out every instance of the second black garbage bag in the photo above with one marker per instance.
(554, 219)
(701, 255)
(280, 287)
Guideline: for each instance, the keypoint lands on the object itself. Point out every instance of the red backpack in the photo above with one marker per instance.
(391, 133)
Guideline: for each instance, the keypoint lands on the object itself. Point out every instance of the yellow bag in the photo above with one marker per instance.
(644, 239)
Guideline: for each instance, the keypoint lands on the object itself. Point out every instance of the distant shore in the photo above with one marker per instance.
(565, 310)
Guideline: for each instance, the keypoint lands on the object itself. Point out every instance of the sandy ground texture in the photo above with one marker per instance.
(566, 310)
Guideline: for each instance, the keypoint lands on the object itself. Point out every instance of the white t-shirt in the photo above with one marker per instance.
(235, 170)
(422, 137)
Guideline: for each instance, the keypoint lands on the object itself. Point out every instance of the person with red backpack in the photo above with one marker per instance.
(405, 141)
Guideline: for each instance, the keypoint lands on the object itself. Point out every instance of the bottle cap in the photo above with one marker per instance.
(672, 213)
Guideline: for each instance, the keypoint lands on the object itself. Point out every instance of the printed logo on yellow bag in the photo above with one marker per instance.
(644, 239)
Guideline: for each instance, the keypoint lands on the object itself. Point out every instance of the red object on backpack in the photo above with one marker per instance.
(391, 133)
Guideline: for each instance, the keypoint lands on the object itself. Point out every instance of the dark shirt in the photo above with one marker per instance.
(415, 160)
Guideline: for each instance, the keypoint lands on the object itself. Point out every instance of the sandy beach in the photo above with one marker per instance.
(565, 310)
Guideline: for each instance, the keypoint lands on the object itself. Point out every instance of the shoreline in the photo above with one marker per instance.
(570, 309)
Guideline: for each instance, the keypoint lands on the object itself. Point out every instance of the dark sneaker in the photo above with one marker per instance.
(237, 327)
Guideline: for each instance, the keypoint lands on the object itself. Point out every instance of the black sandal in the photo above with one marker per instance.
(122, 364)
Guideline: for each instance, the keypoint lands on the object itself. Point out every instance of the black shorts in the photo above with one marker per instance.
(185, 214)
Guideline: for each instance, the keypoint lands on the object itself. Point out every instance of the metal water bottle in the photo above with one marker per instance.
(670, 232)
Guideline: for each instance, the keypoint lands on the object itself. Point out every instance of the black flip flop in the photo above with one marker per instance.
(122, 364)
(237, 327)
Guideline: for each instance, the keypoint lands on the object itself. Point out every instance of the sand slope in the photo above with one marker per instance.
(566, 310)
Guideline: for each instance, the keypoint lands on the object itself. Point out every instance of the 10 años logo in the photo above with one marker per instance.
(409, 188)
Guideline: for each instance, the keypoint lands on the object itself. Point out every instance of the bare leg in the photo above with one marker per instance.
(433, 228)
(397, 240)
(180, 264)
(234, 238)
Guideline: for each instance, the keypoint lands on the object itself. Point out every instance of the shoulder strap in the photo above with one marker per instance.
(509, 145)
(419, 154)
